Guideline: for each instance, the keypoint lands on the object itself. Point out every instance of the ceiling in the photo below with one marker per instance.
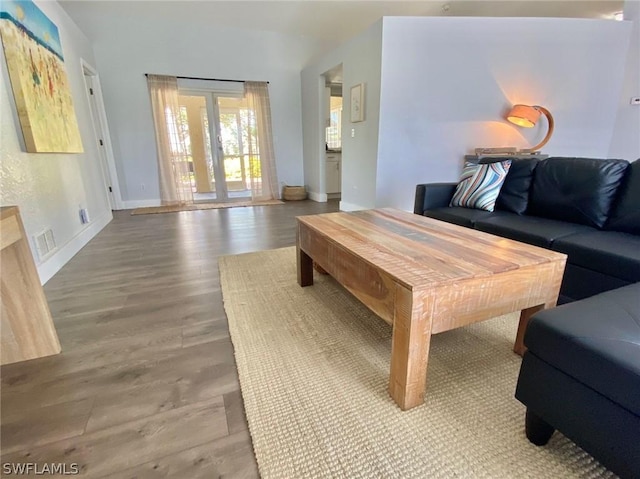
(331, 22)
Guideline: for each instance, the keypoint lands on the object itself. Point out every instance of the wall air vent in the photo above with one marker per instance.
(45, 243)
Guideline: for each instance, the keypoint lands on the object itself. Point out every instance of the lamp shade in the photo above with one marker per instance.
(527, 116)
(523, 115)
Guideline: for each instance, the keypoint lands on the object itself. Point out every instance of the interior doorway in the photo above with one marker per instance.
(217, 135)
(331, 133)
(101, 131)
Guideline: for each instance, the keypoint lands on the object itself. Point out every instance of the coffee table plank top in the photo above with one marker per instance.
(417, 251)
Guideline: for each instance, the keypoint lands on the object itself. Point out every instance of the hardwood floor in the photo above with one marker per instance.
(146, 384)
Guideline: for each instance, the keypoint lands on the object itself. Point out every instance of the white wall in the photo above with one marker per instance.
(448, 82)
(360, 59)
(625, 142)
(50, 188)
(163, 47)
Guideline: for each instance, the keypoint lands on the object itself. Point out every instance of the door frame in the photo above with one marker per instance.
(101, 133)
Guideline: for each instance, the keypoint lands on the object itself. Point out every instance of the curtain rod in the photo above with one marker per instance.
(206, 79)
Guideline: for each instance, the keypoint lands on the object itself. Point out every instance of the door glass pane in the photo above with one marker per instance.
(194, 127)
(183, 130)
(233, 139)
(204, 118)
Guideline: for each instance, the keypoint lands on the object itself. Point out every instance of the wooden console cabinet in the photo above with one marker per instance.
(26, 329)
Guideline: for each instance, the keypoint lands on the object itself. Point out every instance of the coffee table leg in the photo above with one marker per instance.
(305, 268)
(409, 349)
(525, 316)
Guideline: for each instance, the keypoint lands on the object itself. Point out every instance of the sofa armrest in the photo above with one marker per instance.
(433, 195)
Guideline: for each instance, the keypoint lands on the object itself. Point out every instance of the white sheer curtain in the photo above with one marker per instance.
(264, 179)
(173, 167)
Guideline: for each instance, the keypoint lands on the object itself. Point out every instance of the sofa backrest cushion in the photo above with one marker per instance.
(626, 211)
(578, 190)
(514, 194)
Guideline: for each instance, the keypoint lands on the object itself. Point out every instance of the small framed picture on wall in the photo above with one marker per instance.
(357, 103)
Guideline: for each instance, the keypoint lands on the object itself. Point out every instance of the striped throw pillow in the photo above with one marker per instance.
(480, 185)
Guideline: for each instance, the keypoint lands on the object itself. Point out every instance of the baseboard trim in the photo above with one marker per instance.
(53, 264)
(319, 197)
(345, 206)
(133, 204)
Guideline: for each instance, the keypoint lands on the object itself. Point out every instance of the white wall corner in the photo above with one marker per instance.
(319, 197)
(625, 141)
(346, 206)
(53, 264)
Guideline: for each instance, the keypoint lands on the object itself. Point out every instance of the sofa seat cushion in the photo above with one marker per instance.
(458, 215)
(615, 254)
(596, 341)
(578, 190)
(580, 283)
(528, 229)
(626, 213)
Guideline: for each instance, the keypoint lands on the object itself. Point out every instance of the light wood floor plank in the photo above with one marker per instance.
(234, 407)
(133, 443)
(223, 458)
(44, 425)
(161, 369)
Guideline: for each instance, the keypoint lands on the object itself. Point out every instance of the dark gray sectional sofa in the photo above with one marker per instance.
(586, 208)
(581, 371)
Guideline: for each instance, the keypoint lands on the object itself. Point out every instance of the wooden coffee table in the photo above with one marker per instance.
(425, 276)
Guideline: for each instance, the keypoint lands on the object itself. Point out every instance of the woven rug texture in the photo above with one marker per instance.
(152, 210)
(314, 365)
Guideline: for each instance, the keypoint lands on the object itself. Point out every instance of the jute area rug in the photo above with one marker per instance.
(314, 364)
(201, 206)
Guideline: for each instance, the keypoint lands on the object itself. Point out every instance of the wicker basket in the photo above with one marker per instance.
(294, 193)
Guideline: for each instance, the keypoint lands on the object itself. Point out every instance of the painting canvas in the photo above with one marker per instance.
(357, 103)
(38, 78)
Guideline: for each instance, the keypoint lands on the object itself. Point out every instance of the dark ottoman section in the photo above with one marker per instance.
(581, 375)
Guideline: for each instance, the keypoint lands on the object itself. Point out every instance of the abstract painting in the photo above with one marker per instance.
(38, 79)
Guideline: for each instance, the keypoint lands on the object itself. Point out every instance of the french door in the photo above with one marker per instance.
(216, 131)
